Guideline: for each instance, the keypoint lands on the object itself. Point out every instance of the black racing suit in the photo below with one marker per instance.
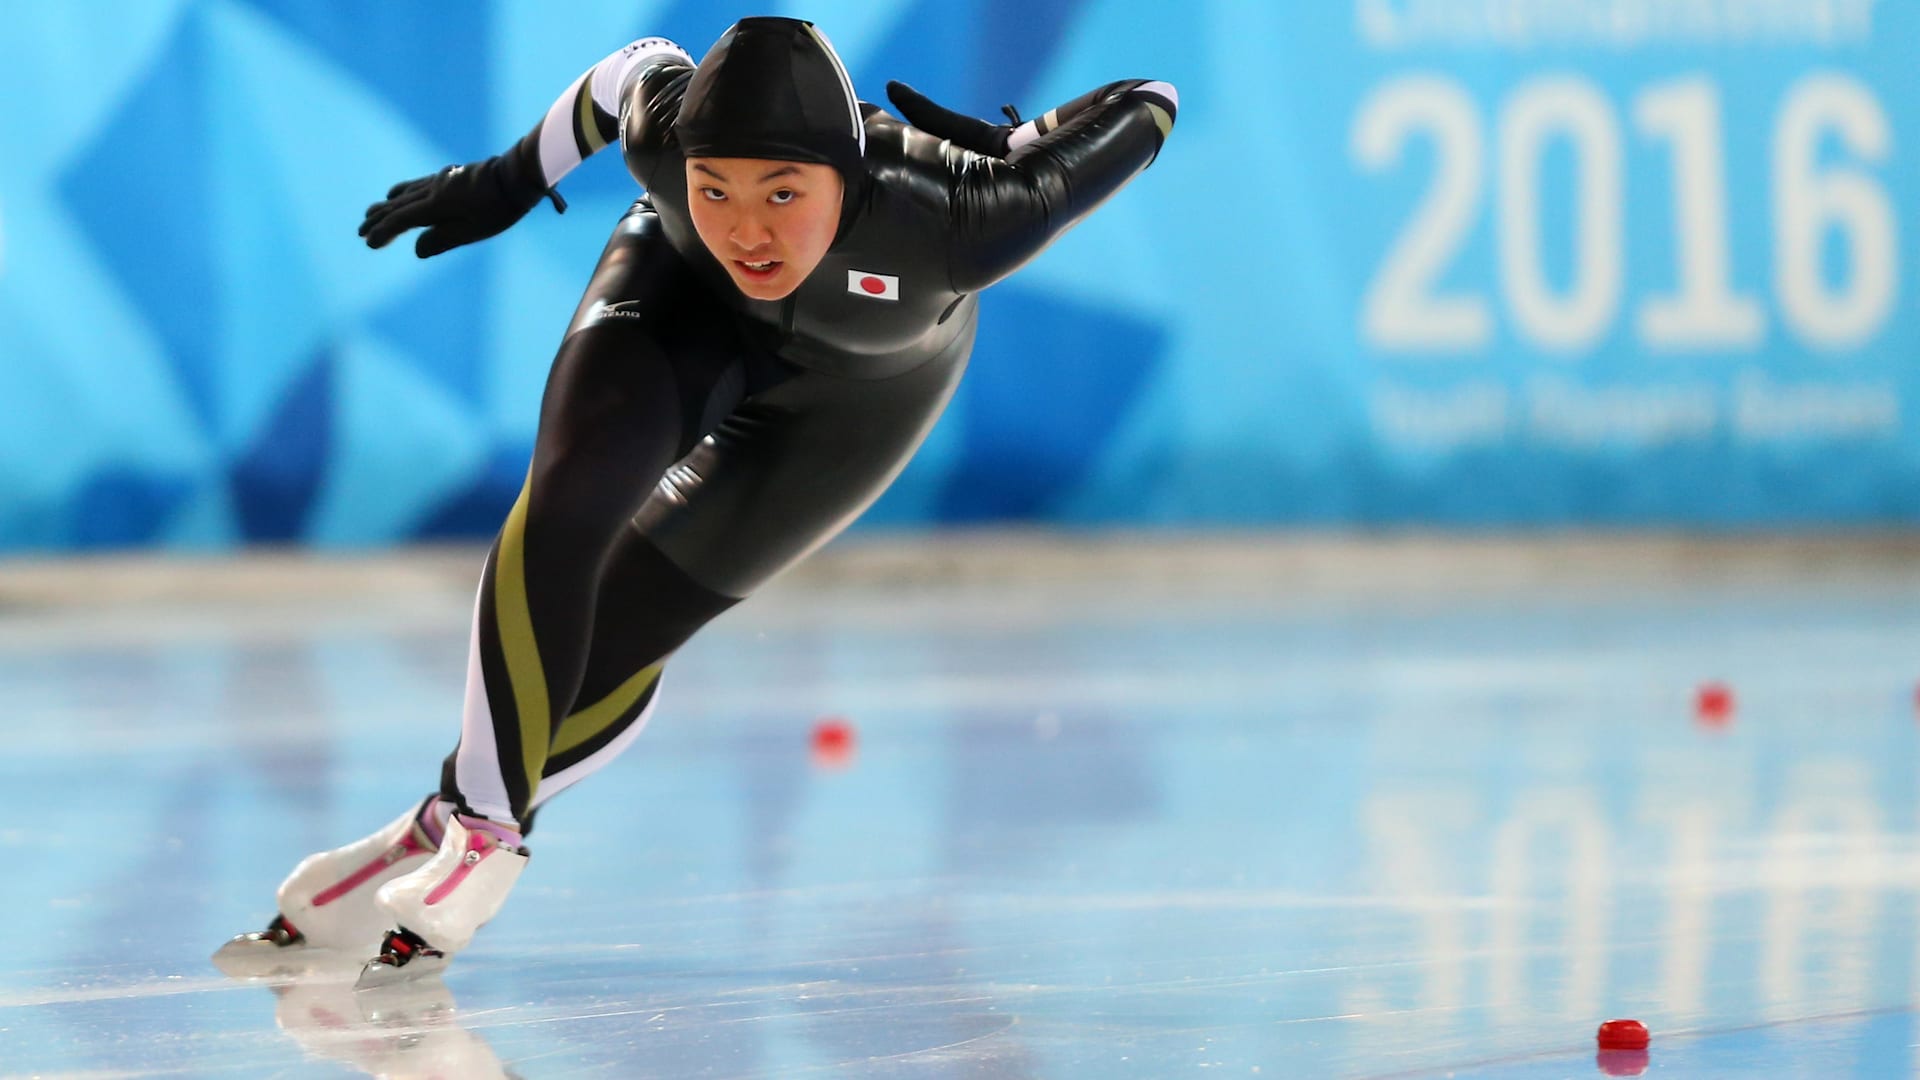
(693, 442)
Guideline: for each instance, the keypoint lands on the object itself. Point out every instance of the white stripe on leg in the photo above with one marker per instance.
(580, 770)
(476, 766)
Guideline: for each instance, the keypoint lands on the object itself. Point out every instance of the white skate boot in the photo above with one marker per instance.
(327, 903)
(436, 909)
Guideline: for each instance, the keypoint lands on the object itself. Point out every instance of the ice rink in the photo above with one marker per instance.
(1249, 807)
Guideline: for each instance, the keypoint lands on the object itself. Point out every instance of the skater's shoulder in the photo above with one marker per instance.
(906, 164)
(648, 110)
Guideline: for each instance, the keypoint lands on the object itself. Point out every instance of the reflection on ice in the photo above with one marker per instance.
(405, 1030)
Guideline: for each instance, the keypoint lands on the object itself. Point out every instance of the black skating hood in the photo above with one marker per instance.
(774, 88)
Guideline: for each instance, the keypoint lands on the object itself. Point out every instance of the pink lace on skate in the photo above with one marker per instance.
(409, 845)
(479, 846)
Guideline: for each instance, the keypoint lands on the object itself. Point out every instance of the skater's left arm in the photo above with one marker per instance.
(1013, 188)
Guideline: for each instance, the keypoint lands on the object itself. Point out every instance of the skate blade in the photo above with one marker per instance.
(249, 957)
(257, 956)
(379, 973)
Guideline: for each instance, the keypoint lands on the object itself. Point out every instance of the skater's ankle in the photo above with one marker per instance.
(433, 819)
(505, 833)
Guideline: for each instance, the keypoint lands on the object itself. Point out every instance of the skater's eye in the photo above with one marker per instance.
(713, 194)
(783, 196)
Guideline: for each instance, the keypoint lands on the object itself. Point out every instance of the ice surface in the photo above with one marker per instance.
(1128, 828)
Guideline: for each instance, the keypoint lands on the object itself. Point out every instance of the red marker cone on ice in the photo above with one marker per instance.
(1713, 704)
(1623, 1035)
(832, 742)
(1623, 1048)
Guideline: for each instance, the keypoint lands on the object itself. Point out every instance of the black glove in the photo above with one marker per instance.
(964, 131)
(459, 204)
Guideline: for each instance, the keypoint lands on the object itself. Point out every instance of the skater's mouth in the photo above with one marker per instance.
(759, 269)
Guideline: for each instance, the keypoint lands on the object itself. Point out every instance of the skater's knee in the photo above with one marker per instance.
(571, 525)
(562, 482)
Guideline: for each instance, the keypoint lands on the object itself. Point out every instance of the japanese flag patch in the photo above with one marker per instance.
(877, 286)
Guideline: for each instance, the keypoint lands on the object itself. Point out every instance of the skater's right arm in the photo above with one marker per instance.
(587, 116)
(461, 204)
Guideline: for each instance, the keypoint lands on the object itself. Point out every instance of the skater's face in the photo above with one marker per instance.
(768, 222)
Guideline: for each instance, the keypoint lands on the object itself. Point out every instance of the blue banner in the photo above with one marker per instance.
(1457, 262)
